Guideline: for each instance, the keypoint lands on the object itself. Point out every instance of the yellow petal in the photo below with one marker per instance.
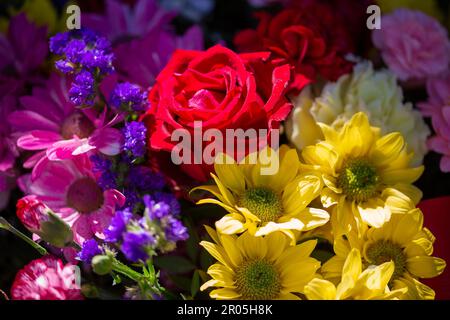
(228, 197)
(425, 267)
(313, 218)
(319, 289)
(252, 247)
(387, 149)
(218, 202)
(408, 226)
(232, 251)
(374, 212)
(295, 276)
(224, 294)
(276, 243)
(217, 252)
(223, 274)
(409, 175)
(229, 174)
(231, 224)
(297, 253)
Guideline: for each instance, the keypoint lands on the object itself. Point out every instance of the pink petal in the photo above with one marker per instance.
(108, 141)
(38, 140)
(29, 121)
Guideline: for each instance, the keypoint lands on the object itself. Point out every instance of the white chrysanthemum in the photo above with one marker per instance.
(375, 93)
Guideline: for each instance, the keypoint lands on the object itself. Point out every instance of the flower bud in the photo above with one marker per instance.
(39, 219)
(102, 264)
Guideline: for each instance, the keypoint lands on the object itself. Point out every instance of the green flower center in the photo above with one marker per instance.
(384, 251)
(258, 280)
(358, 180)
(263, 203)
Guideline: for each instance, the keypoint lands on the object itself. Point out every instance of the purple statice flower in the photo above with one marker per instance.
(107, 178)
(175, 230)
(144, 179)
(120, 21)
(89, 250)
(136, 245)
(133, 198)
(193, 10)
(128, 96)
(140, 60)
(156, 210)
(83, 49)
(118, 226)
(82, 91)
(135, 139)
(170, 199)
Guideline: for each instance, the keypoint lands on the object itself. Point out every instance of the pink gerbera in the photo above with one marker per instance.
(438, 108)
(70, 189)
(46, 279)
(51, 125)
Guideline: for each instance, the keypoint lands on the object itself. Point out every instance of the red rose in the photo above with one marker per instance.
(308, 37)
(222, 89)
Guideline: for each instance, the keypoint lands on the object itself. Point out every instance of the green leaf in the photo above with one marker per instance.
(205, 260)
(195, 284)
(174, 264)
(181, 282)
(116, 278)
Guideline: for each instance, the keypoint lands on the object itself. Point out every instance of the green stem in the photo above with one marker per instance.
(7, 226)
(127, 271)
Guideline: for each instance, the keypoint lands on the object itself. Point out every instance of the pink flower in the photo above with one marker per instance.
(121, 21)
(39, 219)
(69, 188)
(412, 44)
(46, 279)
(8, 150)
(51, 125)
(438, 108)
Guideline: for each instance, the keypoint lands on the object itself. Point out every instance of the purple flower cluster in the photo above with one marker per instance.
(107, 176)
(86, 55)
(89, 250)
(158, 230)
(135, 139)
(129, 97)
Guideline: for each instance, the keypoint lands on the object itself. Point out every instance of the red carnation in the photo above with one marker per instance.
(222, 89)
(309, 37)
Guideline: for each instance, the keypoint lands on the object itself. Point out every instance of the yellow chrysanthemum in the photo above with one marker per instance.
(366, 176)
(258, 268)
(356, 284)
(402, 240)
(374, 92)
(263, 203)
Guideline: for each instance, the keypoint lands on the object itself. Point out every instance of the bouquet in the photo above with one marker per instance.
(153, 150)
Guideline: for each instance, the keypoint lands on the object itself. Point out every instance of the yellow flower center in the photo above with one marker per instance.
(358, 180)
(263, 203)
(258, 280)
(384, 251)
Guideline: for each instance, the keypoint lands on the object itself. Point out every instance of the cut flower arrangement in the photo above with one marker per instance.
(343, 192)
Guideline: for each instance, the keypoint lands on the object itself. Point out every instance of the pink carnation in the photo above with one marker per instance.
(46, 279)
(70, 189)
(438, 108)
(412, 44)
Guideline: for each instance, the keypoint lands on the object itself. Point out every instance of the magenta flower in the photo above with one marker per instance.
(438, 108)
(140, 60)
(412, 44)
(17, 62)
(69, 188)
(46, 278)
(121, 21)
(52, 126)
(8, 150)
